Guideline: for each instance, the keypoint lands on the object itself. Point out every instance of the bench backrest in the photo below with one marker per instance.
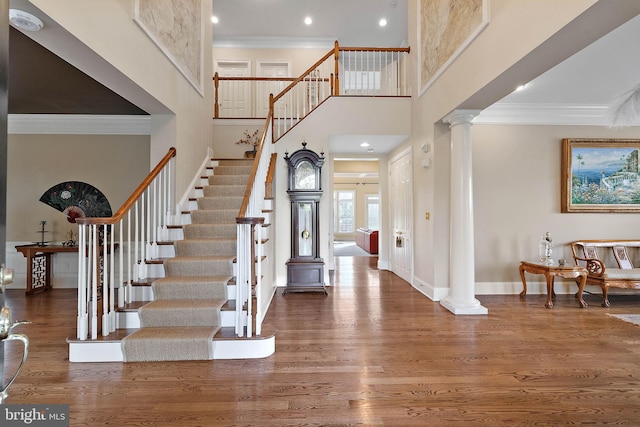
(606, 251)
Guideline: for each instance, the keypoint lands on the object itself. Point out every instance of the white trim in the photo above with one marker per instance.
(273, 42)
(431, 292)
(544, 114)
(72, 124)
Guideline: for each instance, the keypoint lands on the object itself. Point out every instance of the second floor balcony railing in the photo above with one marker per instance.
(350, 71)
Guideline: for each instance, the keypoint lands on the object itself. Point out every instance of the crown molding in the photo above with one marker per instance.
(273, 42)
(545, 114)
(72, 124)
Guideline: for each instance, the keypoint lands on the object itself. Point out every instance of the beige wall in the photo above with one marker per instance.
(300, 58)
(101, 39)
(521, 41)
(115, 165)
(516, 178)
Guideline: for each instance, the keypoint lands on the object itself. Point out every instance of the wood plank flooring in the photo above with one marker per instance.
(374, 352)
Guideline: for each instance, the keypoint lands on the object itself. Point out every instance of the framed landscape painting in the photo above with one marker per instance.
(600, 175)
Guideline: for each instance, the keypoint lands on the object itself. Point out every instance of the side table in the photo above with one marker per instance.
(550, 271)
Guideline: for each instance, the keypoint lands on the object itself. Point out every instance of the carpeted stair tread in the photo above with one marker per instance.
(224, 190)
(228, 180)
(181, 312)
(169, 344)
(199, 266)
(190, 287)
(222, 202)
(232, 170)
(214, 216)
(209, 231)
(194, 247)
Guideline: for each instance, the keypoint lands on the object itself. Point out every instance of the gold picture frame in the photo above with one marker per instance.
(600, 175)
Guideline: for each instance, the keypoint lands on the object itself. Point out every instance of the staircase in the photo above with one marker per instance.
(191, 314)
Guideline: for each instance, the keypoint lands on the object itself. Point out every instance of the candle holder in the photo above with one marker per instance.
(42, 242)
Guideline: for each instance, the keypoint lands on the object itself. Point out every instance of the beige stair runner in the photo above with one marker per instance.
(185, 315)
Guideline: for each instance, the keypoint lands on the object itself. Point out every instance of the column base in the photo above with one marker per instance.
(458, 308)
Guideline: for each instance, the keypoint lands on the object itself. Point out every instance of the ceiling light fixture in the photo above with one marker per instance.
(308, 20)
(364, 144)
(214, 19)
(24, 21)
(383, 22)
(521, 87)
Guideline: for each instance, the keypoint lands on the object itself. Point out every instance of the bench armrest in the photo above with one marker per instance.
(594, 266)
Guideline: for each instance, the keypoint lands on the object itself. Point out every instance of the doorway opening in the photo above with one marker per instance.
(356, 207)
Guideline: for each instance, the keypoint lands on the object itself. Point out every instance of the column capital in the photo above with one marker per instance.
(460, 117)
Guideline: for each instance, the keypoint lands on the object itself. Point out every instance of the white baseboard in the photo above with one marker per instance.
(431, 292)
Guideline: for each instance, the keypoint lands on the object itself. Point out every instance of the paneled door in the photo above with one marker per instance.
(271, 69)
(234, 97)
(401, 215)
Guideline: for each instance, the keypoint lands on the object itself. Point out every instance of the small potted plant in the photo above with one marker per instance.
(253, 139)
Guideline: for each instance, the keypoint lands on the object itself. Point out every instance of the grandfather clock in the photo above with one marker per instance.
(305, 268)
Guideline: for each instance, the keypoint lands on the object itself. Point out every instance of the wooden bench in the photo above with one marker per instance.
(609, 263)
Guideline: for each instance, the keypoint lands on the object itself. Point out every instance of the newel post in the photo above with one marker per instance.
(216, 106)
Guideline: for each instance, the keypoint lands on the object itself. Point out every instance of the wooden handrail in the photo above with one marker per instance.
(271, 173)
(133, 197)
(376, 49)
(305, 74)
(254, 170)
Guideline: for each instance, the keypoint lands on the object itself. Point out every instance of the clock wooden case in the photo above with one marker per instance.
(305, 268)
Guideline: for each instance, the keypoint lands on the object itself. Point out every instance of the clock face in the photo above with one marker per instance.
(305, 176)
(305, 222)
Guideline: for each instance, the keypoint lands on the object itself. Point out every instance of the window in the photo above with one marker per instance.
(372, 211)
(343, 211)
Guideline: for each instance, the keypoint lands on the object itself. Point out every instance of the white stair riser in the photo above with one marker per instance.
(111, 351)
(176, 234)
(128, 320)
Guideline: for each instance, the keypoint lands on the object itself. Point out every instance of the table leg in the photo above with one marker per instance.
(523, 294)
(550, 290)
(581, 283)
(29, 274)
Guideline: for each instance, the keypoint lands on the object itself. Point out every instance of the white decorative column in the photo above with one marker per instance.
(461, 298)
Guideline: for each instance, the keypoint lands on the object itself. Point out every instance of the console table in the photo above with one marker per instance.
(39, 264)
(550, 271)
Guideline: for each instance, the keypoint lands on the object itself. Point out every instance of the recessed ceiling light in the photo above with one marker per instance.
(308, 20)
(383, 22)
(370, 150)
(364, 144)
(214, 19)
(24, 21)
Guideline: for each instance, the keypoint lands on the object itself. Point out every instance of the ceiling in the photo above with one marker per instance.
(280, 23)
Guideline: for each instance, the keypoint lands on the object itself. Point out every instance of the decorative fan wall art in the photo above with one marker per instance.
(77, 199)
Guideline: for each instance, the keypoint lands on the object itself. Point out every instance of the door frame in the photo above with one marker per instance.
(404, 153)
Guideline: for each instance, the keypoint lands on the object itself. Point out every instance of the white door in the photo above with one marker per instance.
(234, 97)
(270, 69)
(401, 211)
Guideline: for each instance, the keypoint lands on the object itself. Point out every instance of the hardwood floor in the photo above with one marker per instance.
(373, 352)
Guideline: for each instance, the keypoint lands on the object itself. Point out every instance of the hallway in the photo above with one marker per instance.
(373, 352)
